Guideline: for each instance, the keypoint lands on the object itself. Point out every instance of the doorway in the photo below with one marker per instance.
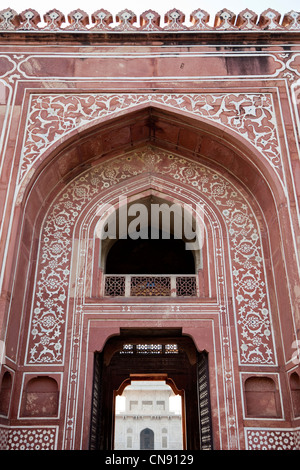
(158, 354)
(147, 439)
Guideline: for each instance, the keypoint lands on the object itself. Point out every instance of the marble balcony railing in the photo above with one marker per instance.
(150, 285)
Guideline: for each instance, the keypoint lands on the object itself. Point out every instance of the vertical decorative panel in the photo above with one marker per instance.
(204, 404)
(96, 404)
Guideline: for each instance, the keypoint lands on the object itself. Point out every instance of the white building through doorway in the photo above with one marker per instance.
(148, 416)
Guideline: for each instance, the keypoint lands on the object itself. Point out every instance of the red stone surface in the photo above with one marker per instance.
(146, 107)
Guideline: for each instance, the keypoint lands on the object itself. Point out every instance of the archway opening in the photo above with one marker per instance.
(151, 355)
(147, 439)
(151, 246)
(151, 234)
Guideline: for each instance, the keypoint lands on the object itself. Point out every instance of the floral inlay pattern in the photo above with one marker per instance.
(53, 116)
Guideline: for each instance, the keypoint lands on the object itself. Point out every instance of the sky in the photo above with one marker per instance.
(161, 7)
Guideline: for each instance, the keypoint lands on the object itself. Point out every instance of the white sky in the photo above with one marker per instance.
(161, 7)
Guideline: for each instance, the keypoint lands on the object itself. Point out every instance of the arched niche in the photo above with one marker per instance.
(77, 152)
(295, 391)
(40, 397)
(161, 227)
(262, 397)
(151, 233)
(175, 130)
(5, 393)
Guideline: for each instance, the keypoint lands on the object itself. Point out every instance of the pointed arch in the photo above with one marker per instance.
(171, 128)
(147, 439)
(75, 210)
(198, 161)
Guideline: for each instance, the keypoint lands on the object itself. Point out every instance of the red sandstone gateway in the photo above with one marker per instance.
(100, 110)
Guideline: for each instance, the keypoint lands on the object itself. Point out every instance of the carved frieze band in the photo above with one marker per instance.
(126, 21)
(52, 116)
(250, 292)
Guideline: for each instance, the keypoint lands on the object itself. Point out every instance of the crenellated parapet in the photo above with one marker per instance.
(149, 21)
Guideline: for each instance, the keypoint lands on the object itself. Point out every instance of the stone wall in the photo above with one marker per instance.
(186, 111)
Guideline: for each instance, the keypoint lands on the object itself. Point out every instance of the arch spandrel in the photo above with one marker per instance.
(250, 294)
(237, 131)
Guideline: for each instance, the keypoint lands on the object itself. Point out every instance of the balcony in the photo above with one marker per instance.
(150, 285)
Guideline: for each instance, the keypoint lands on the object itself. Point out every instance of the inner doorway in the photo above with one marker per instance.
(147, 439)
(161, 354)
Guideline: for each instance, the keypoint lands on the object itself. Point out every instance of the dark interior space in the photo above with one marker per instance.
(150, 256)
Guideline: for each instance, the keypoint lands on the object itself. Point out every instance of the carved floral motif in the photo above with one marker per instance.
(54, 19)
(78, 20)
(103, 19)
(175, 19)
(199, 19)
(225, 19)
(150, 21)
(126, 19)
(29, 20)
